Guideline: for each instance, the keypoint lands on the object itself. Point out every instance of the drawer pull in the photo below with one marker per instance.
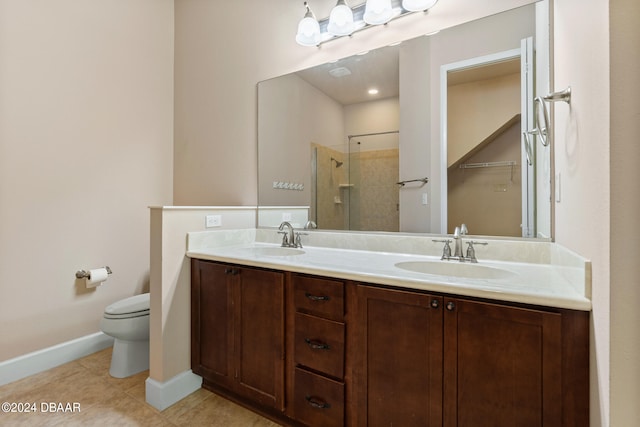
(316, 297)
(316, 402)
(316, 345)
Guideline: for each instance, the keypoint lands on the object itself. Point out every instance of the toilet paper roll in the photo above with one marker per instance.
(96, 277)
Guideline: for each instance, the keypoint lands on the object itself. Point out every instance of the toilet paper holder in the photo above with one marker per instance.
(83, 274)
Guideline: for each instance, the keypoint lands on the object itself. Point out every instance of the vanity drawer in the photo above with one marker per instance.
(318, 296)
(318, 401)
(319, 344)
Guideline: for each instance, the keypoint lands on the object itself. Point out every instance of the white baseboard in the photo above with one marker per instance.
(47, 358)
(161, 395)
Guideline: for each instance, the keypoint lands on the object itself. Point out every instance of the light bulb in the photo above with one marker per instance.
(377, 12)
(308, 29)
(418, 5)
(341, 20)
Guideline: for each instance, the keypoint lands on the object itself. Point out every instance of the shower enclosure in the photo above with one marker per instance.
(355, 184)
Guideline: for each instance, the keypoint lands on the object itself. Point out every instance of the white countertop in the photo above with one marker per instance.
(561, 285)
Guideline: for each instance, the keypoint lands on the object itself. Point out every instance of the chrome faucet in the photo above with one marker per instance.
(457, 248)
(288, 237)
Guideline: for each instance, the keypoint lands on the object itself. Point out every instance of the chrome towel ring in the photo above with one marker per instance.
(539, 106)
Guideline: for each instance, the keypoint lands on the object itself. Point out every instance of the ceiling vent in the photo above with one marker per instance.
(340, 72)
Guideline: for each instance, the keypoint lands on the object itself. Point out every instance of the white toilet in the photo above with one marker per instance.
(127, 321)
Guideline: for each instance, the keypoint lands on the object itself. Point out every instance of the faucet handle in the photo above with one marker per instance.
(298, 243)
(446, 250)
(285, 239)
(471, 252)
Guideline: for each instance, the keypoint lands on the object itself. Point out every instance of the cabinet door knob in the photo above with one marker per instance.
(435, 303)
(451, 306)
(316, 297)
(231, 271)
(317, 345)
(316, 402)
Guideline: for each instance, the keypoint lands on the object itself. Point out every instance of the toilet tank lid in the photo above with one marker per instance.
(129, 305)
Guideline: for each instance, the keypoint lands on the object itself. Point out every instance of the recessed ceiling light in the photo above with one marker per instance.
(373, 91)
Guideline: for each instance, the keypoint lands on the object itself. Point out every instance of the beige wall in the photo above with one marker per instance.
(483, 107)
(85, 146)
(625, 205)
(170, 351)
(582, 160)
(293, 116)
(489, 199)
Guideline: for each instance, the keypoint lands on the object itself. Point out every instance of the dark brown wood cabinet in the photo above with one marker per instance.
(237, 330)
(316, 351)
(438, 361)
(399, 375)
(502, 365)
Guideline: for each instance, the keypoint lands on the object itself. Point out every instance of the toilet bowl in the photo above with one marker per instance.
(127, 321)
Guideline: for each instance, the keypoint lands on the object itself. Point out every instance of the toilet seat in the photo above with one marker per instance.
(135, 306)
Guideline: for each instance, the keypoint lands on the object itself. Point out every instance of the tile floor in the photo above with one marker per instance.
(107, 401)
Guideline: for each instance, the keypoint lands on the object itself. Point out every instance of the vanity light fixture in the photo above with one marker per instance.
(344, 20)
(373, 91)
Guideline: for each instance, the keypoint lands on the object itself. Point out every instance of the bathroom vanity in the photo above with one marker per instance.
(323, 336)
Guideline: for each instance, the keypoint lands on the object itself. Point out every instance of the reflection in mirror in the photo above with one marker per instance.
(488, 175)
(357, 189)
(321, 127)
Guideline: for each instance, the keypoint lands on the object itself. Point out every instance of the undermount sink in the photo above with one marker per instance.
(456, 269)
(275, 251)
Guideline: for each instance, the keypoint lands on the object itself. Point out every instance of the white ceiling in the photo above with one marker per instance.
(378, 68)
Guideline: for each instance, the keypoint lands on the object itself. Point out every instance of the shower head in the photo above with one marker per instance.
(338, 163)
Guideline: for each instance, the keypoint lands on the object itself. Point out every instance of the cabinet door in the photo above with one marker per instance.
(399, 379)
(211, 322)
(502, 366)
(259, 341)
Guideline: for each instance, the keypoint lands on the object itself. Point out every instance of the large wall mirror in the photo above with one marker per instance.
(416, 137)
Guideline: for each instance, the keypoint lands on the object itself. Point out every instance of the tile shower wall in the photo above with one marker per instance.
(374, 202)
(330, 197)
